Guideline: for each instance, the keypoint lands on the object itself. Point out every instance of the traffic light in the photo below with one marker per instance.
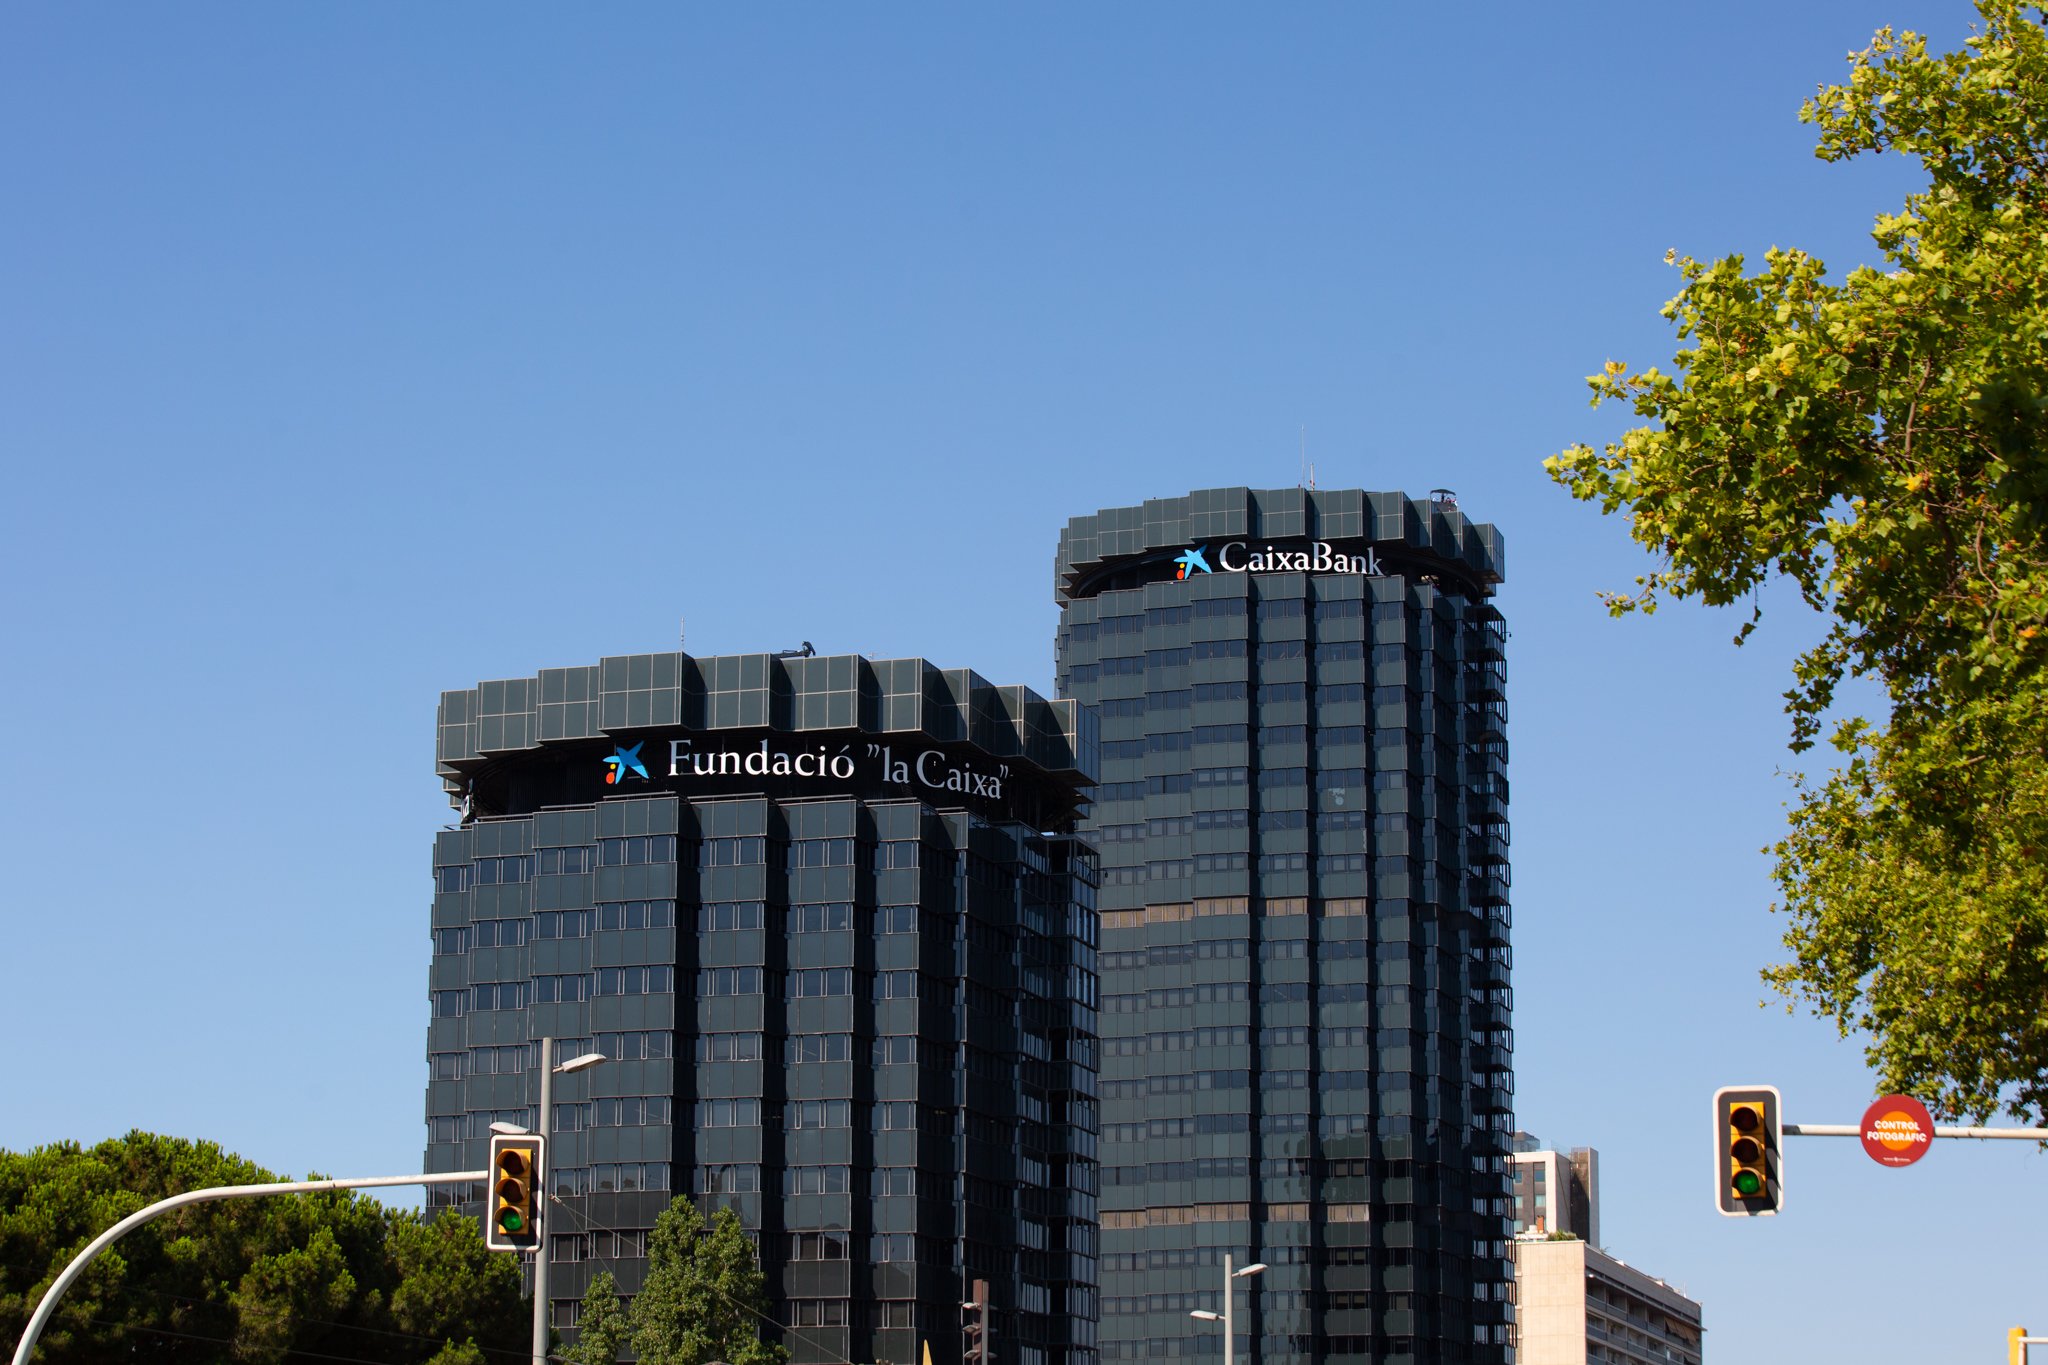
(512, 1207)
(1749, 1148)
(2016, 1346)
(974, 1324)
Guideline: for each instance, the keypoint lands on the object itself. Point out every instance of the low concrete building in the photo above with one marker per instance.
(1578, 1305)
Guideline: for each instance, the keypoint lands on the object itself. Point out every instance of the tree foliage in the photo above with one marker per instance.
(705, 1298)
(252, 1280)
(1877, 442)
(601, 1328)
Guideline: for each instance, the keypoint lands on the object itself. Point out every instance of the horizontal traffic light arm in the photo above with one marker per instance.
(1940, 1131)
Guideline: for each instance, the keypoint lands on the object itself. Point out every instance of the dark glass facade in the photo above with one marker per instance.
(829, 921)
(1305, 1011)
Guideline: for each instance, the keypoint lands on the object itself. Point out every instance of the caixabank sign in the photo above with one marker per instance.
(1244, 556)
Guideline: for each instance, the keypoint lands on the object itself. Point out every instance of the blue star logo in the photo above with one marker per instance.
(1191, 561)
(623, 761)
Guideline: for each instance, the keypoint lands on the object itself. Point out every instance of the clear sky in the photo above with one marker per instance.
(350, 353)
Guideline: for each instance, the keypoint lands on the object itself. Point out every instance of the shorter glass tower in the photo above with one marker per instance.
(828, 920)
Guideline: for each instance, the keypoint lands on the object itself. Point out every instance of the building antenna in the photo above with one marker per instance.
(680, 623)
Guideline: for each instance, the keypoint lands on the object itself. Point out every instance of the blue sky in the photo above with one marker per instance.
(354, 353)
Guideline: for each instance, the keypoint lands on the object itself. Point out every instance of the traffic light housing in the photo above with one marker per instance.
(1749, 1148)
(512, 1204)
(974, 1324)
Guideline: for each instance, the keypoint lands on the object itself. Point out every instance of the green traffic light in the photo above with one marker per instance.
(510, 1221)
(1747, 1184)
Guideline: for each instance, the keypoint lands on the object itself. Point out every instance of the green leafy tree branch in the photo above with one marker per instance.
(1878, 443)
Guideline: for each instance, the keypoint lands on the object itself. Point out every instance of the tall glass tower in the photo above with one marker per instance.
(828, 920)
(1302, 819)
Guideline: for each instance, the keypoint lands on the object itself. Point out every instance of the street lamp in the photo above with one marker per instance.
(548, 1071)
(1228, 1317)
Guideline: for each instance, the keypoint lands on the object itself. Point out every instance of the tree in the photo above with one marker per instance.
(331, 1274)
(705, 1297)
(601, 1328)
(1877, 442)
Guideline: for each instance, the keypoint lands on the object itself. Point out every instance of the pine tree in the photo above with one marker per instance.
(705, 1298)
(601, 1328)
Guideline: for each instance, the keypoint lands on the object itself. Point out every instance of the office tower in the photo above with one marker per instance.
(1305, 1012)
(827, 920)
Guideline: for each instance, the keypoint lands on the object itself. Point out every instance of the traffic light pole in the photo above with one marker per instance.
(41, 1317)
(540, 1200)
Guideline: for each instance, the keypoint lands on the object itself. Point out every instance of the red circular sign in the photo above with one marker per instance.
(1897, 1130)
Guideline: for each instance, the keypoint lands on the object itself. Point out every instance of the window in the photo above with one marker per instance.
(811, 982)
(729, 1047)
(1219, 649)
(626, 1176)
(818, 1246)
(896, 853)
(821, 853)
(744, 851)
(710, 981)
(552, 862)
(896, 985)
(498, 995)
(818, 1047)
(498, 933)
(558, 924)
(549, 990)
(638, 980)
(820, 1114)
(720, 915)
(636, 915)
(816, 1180)
(820, 919)
(635, 1047)
(502, 871)
(740, 1113)
(891, 1116)
(451, 941)
(733, 1179)
(1223, 734)
(637, 850)
(896, 919)
(817, 1312)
